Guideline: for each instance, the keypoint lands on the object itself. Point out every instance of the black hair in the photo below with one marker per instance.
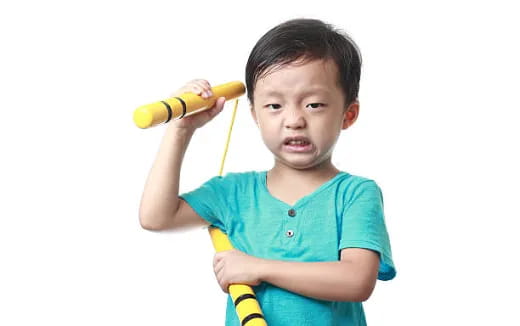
(305, 39)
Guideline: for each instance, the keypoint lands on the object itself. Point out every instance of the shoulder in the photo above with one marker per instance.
(237, 180)
(355, 182)
(247, 176)
(355, 186)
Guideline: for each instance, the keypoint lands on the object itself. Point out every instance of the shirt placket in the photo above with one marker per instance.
(290, 225)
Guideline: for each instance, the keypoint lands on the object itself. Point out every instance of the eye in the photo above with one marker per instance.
(315, 105)
(273, 106)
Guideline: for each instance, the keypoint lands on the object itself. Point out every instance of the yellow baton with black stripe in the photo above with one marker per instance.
(186, 104)
(243, 296)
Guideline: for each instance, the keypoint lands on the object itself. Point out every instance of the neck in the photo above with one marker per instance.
(319, 173)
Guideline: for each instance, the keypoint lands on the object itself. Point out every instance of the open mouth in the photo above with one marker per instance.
(300, 142)
(297, 144)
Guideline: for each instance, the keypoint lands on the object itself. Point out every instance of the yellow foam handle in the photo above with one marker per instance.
(183, 105)
(246, 308)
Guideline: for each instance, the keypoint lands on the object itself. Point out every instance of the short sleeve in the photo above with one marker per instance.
(363, 226)
(208, 201)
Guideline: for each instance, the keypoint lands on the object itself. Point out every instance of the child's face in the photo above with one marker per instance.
(300, 112)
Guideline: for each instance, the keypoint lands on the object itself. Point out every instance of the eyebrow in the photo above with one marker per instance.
(304, 93)
(273, 92)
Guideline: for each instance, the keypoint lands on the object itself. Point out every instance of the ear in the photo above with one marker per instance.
(350, 115)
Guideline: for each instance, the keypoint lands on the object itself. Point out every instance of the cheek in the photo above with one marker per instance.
(267, 135)
(328, 131)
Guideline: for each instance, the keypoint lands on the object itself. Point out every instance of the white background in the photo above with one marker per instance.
(437, 130)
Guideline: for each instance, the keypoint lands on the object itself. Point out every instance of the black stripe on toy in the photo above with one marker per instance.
(244, 297)
(183, 107)
(251, 316)
(169, 108)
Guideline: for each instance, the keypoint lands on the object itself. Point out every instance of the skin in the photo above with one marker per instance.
(302, 99)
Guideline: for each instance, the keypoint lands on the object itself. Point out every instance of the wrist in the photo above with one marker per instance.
(180, 131)
(262, 269)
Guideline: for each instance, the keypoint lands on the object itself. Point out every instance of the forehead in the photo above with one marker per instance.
(299, 77)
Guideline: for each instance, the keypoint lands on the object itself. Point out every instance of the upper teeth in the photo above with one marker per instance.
(297, 142)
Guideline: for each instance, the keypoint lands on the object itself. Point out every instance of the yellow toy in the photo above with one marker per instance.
(186, 104)
(247, 307)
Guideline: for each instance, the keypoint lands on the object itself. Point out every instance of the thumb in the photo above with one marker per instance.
(219, 105)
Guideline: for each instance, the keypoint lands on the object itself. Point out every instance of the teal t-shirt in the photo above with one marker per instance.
(344, 212)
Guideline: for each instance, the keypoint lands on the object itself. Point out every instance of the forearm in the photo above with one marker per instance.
(332, 281)
(160, 199)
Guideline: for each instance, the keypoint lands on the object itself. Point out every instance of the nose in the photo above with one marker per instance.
(294, 119)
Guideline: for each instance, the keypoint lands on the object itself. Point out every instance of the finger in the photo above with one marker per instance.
(217, 107)
(188, 88)
(211, 113)
(200, 81)
(205, 86)
(225, 286)
(195, 88)
(222, 282)
(204, 82)
(219, 104)
(219, 256)
(216, 259)
(218, 268)
(218, 274)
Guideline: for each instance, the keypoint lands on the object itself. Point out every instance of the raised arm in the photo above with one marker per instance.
(160, 207)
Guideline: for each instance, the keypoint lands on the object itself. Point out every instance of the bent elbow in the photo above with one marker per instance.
(149, 223)
(150, 227)
(365, 295)
(366, 291)
(360, 292)
(360, 295)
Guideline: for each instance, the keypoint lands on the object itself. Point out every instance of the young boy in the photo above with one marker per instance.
(309, 238)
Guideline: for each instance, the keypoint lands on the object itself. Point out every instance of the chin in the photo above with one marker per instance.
(298, 164)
